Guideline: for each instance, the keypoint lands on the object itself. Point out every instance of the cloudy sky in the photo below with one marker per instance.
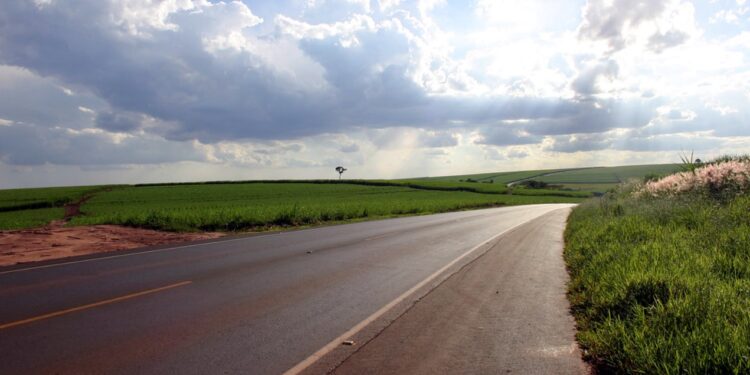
(123, 91)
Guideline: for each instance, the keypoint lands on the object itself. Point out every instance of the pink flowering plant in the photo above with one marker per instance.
(723, 179)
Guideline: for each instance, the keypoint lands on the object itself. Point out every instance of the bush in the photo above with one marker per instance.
(533, 184)
(719, 180)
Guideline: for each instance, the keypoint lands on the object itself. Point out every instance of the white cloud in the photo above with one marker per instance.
(655, 25)
(430, 87)
(139, 17)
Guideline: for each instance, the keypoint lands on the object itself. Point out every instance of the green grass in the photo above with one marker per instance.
(262, 205)
(29, 218)
(661, 286)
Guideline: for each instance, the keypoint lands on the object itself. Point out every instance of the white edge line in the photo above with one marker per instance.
(309, 361)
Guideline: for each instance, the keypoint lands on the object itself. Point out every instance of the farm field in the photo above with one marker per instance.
(502, 178)
(592, 179)
(24, 208)
(19, 199)
(30, 218)
(601, 179)
(482, 187)
(230, 207)
(247, 205)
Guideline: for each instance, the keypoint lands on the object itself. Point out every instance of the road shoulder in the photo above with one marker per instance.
(505, 312)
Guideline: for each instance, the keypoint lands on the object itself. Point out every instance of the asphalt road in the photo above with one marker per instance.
(265, 304)
(504, 313)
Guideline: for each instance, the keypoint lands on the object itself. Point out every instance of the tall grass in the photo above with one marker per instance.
(662, 284)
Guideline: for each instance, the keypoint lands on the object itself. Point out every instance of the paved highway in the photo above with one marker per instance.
(280, 302)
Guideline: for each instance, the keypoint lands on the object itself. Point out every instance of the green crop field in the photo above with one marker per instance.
(21, 199)
(608, 175)
(592, 180)
(483, 187)
(25, 208)
(30, 218)
(601, 179)
(260, 205)
(503, 178)
(240, 205)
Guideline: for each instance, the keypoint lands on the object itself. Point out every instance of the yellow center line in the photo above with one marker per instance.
(92, 305)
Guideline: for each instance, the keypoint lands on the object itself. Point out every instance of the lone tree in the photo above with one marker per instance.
(341, 170)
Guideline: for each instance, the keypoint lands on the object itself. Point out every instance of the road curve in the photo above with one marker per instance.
(259, 304)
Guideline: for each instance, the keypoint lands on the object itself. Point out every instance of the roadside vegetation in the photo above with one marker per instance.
(660, 272)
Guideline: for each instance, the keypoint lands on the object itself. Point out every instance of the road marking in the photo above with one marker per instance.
(309, 361)
(92, 305)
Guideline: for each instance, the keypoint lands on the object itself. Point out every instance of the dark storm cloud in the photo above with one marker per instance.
(36, 145)
(170, 81)
(25, 97)
(117, 122)
(170, 76)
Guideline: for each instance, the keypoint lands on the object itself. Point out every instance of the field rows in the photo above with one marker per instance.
(251, 206)
(240, 205)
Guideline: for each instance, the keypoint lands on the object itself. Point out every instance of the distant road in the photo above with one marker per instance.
(277, 302)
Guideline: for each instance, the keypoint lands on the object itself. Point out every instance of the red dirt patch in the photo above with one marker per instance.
(58, 241)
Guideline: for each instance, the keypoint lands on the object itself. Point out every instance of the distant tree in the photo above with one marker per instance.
(341, 170)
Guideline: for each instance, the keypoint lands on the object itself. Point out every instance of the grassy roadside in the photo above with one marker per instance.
(661, 284)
